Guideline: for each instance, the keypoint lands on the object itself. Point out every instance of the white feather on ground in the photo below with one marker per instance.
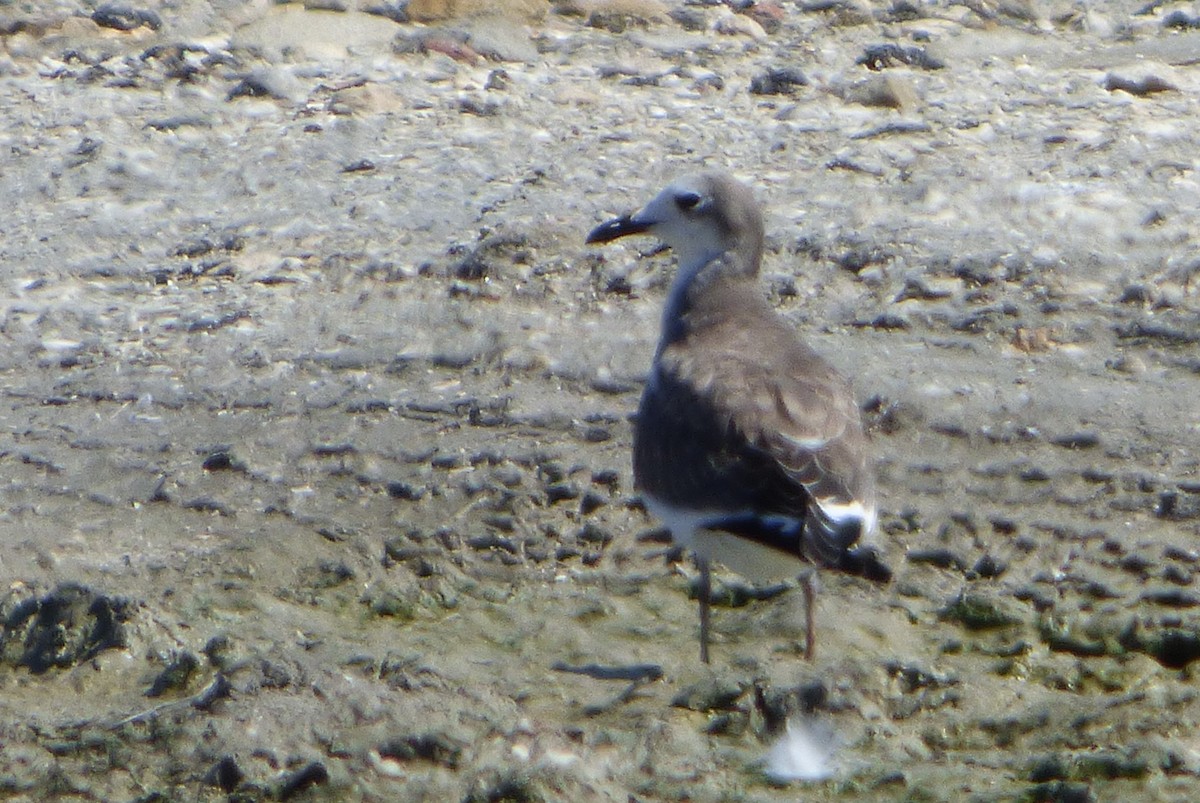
(804, 752)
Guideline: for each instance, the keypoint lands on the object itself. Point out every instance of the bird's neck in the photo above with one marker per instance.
(702, 288)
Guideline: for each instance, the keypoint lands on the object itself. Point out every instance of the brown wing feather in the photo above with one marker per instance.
(755, 412)
(779, 394)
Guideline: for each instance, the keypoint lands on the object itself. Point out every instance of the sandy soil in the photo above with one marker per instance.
(315, 447)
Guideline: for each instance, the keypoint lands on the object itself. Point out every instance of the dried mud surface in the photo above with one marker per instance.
(314, 457)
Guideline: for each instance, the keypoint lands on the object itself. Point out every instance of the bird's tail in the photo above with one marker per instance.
(834, 543)
(865, 562)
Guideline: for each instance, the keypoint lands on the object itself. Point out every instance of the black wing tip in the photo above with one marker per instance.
(865, 562)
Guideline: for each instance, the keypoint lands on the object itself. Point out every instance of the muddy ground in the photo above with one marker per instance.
(316, 409)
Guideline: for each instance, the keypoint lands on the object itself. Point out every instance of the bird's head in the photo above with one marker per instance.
(699, 216)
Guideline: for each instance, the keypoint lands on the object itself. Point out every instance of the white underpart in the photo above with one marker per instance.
(752, 560)
(755, 562)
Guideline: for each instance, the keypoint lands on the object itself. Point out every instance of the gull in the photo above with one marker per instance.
(747, 445)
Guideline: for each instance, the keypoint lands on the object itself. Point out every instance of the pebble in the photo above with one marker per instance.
(561, 491)
(977, 612)
(941, 557)
(396, 11)
(778, 81)
(1181, 20)
(1142, 79)
(398, 489)
(989, 567)
(712, 694)
(126, 18)
(175, 675)
(296, 782)
(689, 18)
(731, 24)
(1086, 439)
(63, 628)
(591, 502)
(226, 775)
(594, 534)
(880, 57)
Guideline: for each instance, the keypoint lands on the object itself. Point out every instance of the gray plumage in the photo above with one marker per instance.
(747, 444)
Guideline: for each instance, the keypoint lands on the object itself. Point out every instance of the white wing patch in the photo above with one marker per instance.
(809, 444)
(848, 511)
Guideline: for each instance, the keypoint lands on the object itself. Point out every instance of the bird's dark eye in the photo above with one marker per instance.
(686, 201)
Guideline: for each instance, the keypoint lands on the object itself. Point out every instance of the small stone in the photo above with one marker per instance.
(392, 605)
(225, 774)
(222, 461)
(711, 694)
(594, 534)
(491, 541)
(937, 556)
(608, 477)
(396, 11)
(1177, 575)
(125, 18)
(1077, 440)
(1181, 20)
(397, 489)
(498, 80)
(690, 19)
(778, 81)
(768, 14)
(879, 57)
(1060, 792)
(889, 322)
(1127, 364)
(1136, 564)
(561, 491)
(884, 90)
(732, 24)
(1138, 293)
(1142, 79)
(591, 502)
(313, 774)
(327, 574)
(256, 86)
(68, 626)
(1172, 597)
(479, 107)
(976, 612)
(616, 21)
(1048, 768)
(436, 748)
(988, 567)
(1033, 474)
(1060, 636)
(175, 676)
(508, 475)
(595, 434)
(1040, 600)
(1188, 556)
(501, 521)
(1173, 648)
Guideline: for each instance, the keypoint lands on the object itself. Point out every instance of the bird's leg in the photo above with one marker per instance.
(705, 601)
(808, 584)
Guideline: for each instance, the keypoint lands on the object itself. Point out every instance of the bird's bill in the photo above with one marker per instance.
(618, 227)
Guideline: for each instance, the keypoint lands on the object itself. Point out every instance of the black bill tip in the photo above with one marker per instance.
(617, 227)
